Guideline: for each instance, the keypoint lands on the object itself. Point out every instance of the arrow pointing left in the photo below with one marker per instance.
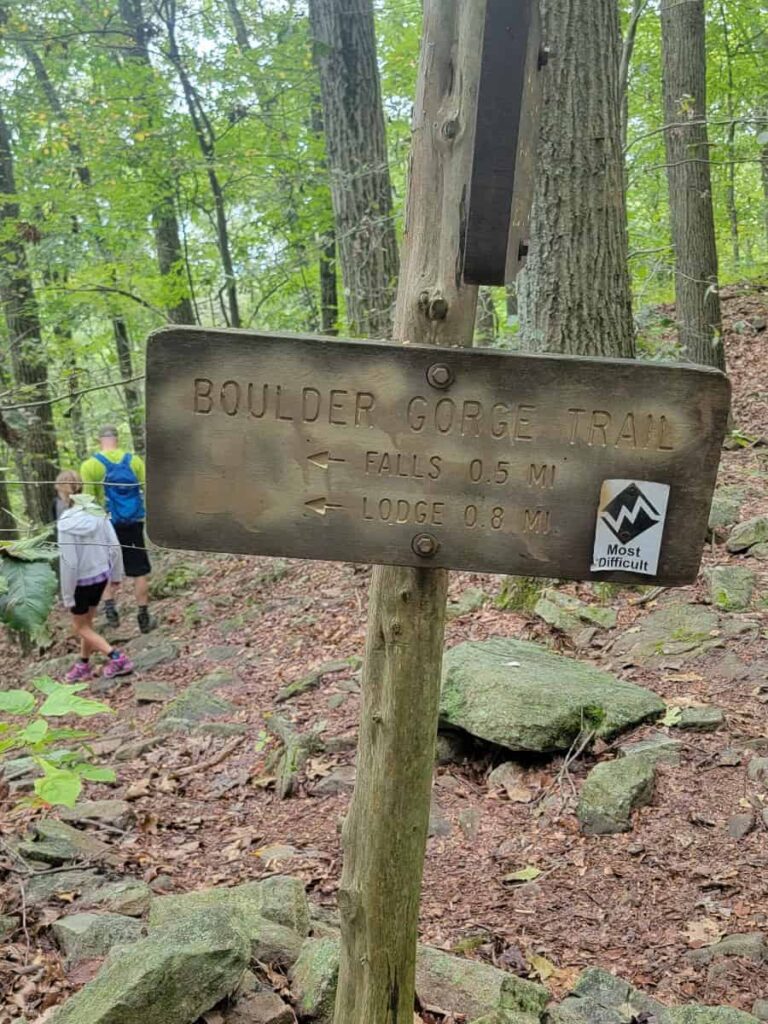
(321, 505)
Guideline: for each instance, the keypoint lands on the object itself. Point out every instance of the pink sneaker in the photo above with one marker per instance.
(119, 666)
(80, 671)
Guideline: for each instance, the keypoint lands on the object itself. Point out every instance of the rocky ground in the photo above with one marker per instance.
(626, 832)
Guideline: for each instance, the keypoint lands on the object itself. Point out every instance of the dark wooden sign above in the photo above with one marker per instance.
(500, 190)
(313, 447)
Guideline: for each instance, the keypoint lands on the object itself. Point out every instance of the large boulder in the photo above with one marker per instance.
(705, 1015)
(599, 997)
(172, 977)
(523, 697)
(726, 502)
(612, 791)
(314, 978)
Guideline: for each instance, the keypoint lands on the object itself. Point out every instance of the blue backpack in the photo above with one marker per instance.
(122, 490)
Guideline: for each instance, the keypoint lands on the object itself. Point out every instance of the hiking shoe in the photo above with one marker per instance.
(147, 622)
(112, 615)
(80, 670)
(119, 666)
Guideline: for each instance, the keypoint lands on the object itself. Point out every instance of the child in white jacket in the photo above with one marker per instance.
(90, 557)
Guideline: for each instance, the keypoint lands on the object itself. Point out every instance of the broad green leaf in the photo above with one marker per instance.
(3, 584)
(95, 773)
(35, 732)
(64, 701)
(27, 602)
(59, 786)
(16, 702)
(47, 685)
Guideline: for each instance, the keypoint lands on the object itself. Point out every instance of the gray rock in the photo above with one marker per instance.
(147, 691)
(470, 987)
(740, 825)
(704, 1015)
(657, 747)
(523, 697)
(471, 600)
(340, 780)
(439, 825)
(110, 812)
(611, 792)
(700, 719)
(726, 502)
(512, 779)
(55, 842)
(314, 978)
(85, 936)
(148, 651)
(601, 998)
(275, 914)
(259, 1008)
(745, 535)
(128, 896)
(757, 769)
(760, 1009)
(44, 887)
(750, 945)
(759, 551)
(171, 977)
(196, 704)
(570, 615)
(223, 652)
(452, 747)
(731, 587)
(676, 630)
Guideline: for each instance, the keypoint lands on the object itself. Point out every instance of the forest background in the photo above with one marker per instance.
(166, 160)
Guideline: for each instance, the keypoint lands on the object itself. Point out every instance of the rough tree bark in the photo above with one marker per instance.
(345, 54)
(385, 831)
(690, 186)
(25, 340)
(575, 291)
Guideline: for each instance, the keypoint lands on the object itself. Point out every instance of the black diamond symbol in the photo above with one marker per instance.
(629, 514)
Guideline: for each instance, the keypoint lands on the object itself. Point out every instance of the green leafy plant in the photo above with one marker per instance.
(27, 583)
(26, 727)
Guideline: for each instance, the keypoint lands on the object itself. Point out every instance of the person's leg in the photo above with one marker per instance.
(141, 590)
(111, 613)
(89, 638)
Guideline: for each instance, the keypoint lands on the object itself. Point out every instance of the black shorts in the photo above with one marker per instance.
(135, 557)
(87, 597)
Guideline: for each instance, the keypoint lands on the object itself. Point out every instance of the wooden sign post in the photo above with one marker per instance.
(424, 459)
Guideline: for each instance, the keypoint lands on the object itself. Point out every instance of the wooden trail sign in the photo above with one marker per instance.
(313, 447)
(500, 189)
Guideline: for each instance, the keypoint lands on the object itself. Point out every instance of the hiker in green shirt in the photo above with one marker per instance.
(116, 478)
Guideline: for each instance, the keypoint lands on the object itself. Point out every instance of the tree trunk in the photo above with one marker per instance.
(206, 140)
(170, 257)
(385, 831)
(764, 168)
(28, 356)
(8, 529)
(132, 396)
(627, 50)
(345, 54)
(329, 299)
(75, 412)
(730, 191)
(690, 186)
(575, 291)
(487, 323)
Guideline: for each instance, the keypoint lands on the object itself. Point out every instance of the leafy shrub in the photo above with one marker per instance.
(29, 731)
(27, 584)
(173, 581)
